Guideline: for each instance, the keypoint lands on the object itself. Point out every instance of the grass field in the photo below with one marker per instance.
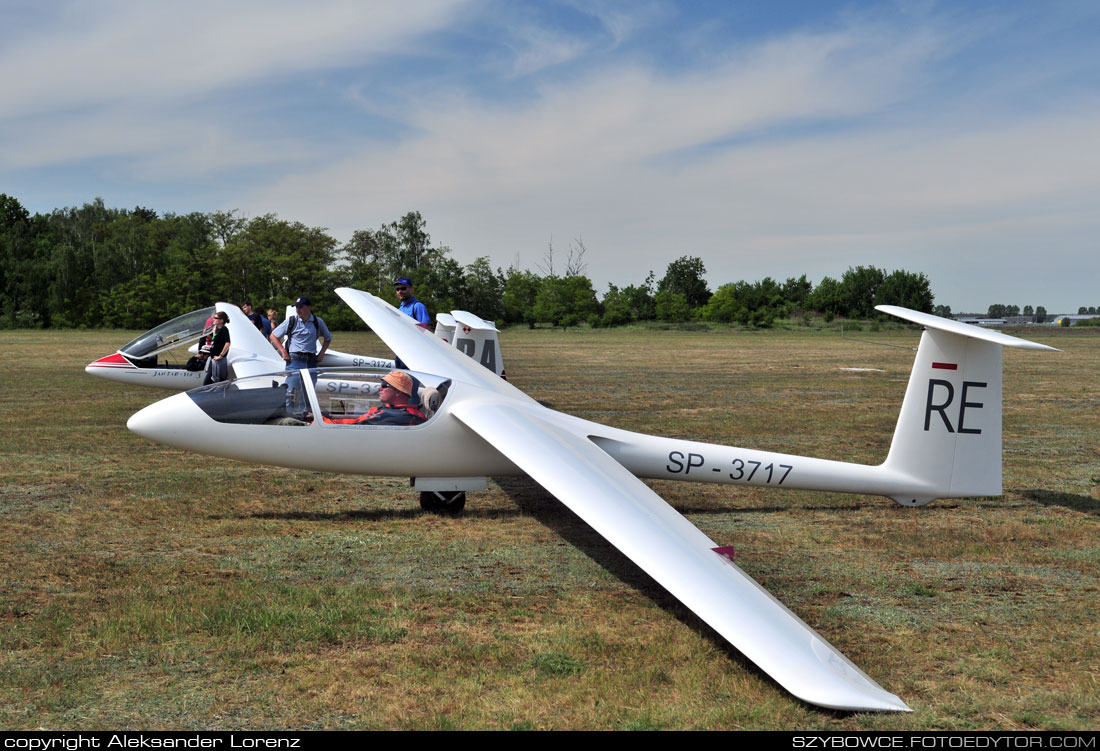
(148, 587)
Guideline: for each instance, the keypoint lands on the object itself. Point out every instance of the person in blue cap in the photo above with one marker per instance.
(410, 306)
(302, 333)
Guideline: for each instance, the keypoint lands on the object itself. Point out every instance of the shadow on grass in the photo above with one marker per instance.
(536, 502)
(1082, 503)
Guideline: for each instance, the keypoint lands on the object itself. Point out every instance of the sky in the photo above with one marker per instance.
(961, 140)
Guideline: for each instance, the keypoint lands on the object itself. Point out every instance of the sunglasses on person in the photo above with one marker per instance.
(400, 289)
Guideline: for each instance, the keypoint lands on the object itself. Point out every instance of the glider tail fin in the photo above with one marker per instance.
(948, 436)
(473, 336)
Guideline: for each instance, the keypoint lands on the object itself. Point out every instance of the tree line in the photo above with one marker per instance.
(95, 266)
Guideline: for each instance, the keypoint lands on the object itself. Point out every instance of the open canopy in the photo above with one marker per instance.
(182, 330)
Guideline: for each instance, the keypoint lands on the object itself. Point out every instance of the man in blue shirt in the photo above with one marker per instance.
(410, 306)
(302, 332)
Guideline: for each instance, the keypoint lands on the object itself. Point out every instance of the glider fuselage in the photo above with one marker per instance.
(445, 447)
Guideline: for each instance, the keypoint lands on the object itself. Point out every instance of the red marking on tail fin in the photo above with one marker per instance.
(726, 551)
(945, 365)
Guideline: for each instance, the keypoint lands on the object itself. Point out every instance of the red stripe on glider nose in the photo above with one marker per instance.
(113, 361)
(945, 365)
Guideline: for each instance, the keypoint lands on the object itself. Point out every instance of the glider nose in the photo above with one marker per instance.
(176, 421)
(105, 365)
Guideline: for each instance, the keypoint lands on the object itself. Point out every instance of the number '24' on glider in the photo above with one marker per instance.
(947, 444)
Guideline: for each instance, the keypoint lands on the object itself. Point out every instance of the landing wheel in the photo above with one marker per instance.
(443, 503)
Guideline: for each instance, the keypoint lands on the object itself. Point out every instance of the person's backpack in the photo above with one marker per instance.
(293, 321)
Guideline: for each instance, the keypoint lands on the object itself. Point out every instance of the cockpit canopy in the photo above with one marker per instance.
(179, 331)
(342, 396)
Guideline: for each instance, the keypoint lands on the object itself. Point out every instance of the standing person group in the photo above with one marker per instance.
(260, 322)
(301, 332)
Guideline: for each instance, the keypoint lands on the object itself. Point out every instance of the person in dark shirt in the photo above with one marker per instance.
(260, 322)
(217, 368)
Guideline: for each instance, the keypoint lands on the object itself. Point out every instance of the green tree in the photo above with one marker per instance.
(797, 292)
(23, 281)
(565, 301)
(858, 287)
(672, 306)
(727, 304)
(484, 290)
(441, 286)
(276, 260)
(907, 289)
(521, 289)
(632, 303)
(684, 276)
(362, 262)
(756, 304)
(412, 246)
(827, 297)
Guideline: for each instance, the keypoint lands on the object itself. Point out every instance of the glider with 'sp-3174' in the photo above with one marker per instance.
(947, 444)
(153, 359)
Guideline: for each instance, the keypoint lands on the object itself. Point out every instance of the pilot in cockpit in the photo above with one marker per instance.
(400, 406)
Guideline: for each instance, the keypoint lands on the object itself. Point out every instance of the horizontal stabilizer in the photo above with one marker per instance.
(962, 329)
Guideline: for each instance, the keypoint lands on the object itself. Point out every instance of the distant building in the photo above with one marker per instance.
(1075, 318)
(981, 321)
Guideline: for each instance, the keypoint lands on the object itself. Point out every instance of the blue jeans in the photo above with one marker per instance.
(294, 394)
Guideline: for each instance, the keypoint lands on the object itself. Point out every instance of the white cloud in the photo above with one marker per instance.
(613, 126)
(647, 167)
(129, 50)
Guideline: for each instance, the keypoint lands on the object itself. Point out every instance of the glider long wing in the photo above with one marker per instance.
(676, 554)
(419, 348)
(548, 446)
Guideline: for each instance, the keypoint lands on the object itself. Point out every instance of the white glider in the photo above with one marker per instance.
(158, 357)
(947, 444)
